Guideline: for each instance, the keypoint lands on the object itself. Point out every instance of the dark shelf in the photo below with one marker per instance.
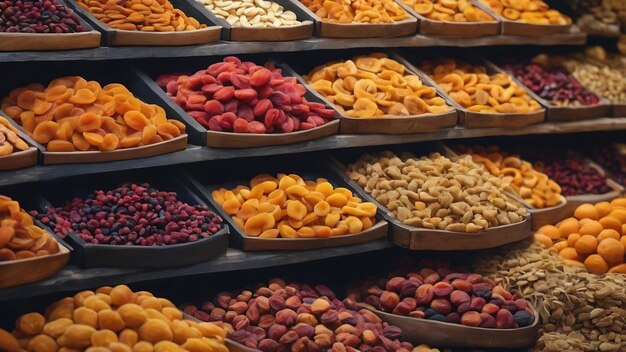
(231, 48)
(196, 154)
(72, 278)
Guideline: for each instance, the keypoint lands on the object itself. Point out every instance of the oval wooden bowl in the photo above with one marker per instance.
(250, 140)
(367, 30)
(577, 113)
(19, 160)
(526, 29)
(437, 333)
(471, 119)
(23, 271)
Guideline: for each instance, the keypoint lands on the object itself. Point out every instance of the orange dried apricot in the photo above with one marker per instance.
(45, 132)
(611, 250)
(60, 146)
(595, 264)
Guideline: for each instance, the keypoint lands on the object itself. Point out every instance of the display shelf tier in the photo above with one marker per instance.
(232, 48)
(197, 154)
(73, 278)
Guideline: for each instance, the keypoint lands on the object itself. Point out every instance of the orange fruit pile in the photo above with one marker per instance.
(594, 238)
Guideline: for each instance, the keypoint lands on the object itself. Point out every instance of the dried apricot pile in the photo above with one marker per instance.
(594, 238)
(287, 206)
(9, 141)
(374, 86)
(476, 90)
(243, 97)
(112, 319)
(449, 10)
(359, 11)
(141, 15)
(20, 238)
(535, 187)
(73, 114)
(527, 11)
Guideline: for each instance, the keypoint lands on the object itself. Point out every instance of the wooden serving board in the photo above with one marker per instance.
(249, 34)
(90, 255)
(427, 26)
(423, 123)
(118, 37)
(240, 240)
(530, 30)
(437, 333)
(438, 240)
(324, 29)
(23, 271)
(90, 38)
(19, 160)
(201, 136)
(470, 119)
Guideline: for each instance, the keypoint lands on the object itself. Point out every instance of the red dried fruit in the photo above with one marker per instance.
(245, 94)
(228, 118)
(231, 106)
(261, 107)
(260, 77)
(240, 81)
(215, 123)
(211, 88)
(306, 126)
(240, 125)
(224, 94)
(271, 117)
(213, 107)
(256, 127)
(264, 92)
(245, 112)
(279, 99)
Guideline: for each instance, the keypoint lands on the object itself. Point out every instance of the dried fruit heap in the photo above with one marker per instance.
(476, 90)
(449, 10)
(435, 192)
(528, 11)
(575, 176)
(459, 298)
(132, 215)
(141, 15)
(594, 238)
(9, 140)
(534, 187)
(252, 14)
(242, 97)
(357, 11)
(19, 237)
(37, 16)
(112, 319)
(73, 114)
(375, 86)
(300, 317)
(287, 206)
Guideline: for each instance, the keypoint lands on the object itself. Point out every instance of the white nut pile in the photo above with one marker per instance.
(435, 192)
(610, 83)
(251, 13)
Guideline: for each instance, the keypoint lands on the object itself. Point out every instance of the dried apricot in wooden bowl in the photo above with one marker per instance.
(449, 10)
(72, 114)
(10, 142)
(368, 11)
(528, 11)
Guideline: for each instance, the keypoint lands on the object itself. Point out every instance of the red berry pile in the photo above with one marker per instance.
(574, 175)
(132, 215)
(37, 16)
(243, 97)
(553, 84)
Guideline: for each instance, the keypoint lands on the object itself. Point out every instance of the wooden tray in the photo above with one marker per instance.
(437, 333)
(618, 110)
(423, 123)
(23, 271)
(19, 160)
(324, 29)
(90, 255)
(118, 37)
(90, 38)
(240, 240)
(201, 136)
(103, 76)
(563, 113)
(427, 26)
(470, 119)
(548, 216)
(529, 30)
(302, 31)
(438, 240)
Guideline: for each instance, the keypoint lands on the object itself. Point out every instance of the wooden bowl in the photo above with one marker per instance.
(90, 38)
(548, 216)
(437, 333)
(19, 160)
(23, 271)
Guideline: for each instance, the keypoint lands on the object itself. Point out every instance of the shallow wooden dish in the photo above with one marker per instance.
(240, 240)
(439, 240)
(547, 216)
(90, 255)
(118, 37)
(202, 136)
(90, 38)
(526, 29)
(618, 110)
(437, 333)
(247, 34)
(324, 29)
(423, 123)
(23, 271)
(19, 160)
(428, 26)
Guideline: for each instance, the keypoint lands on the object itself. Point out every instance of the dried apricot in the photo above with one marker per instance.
(45, 132)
